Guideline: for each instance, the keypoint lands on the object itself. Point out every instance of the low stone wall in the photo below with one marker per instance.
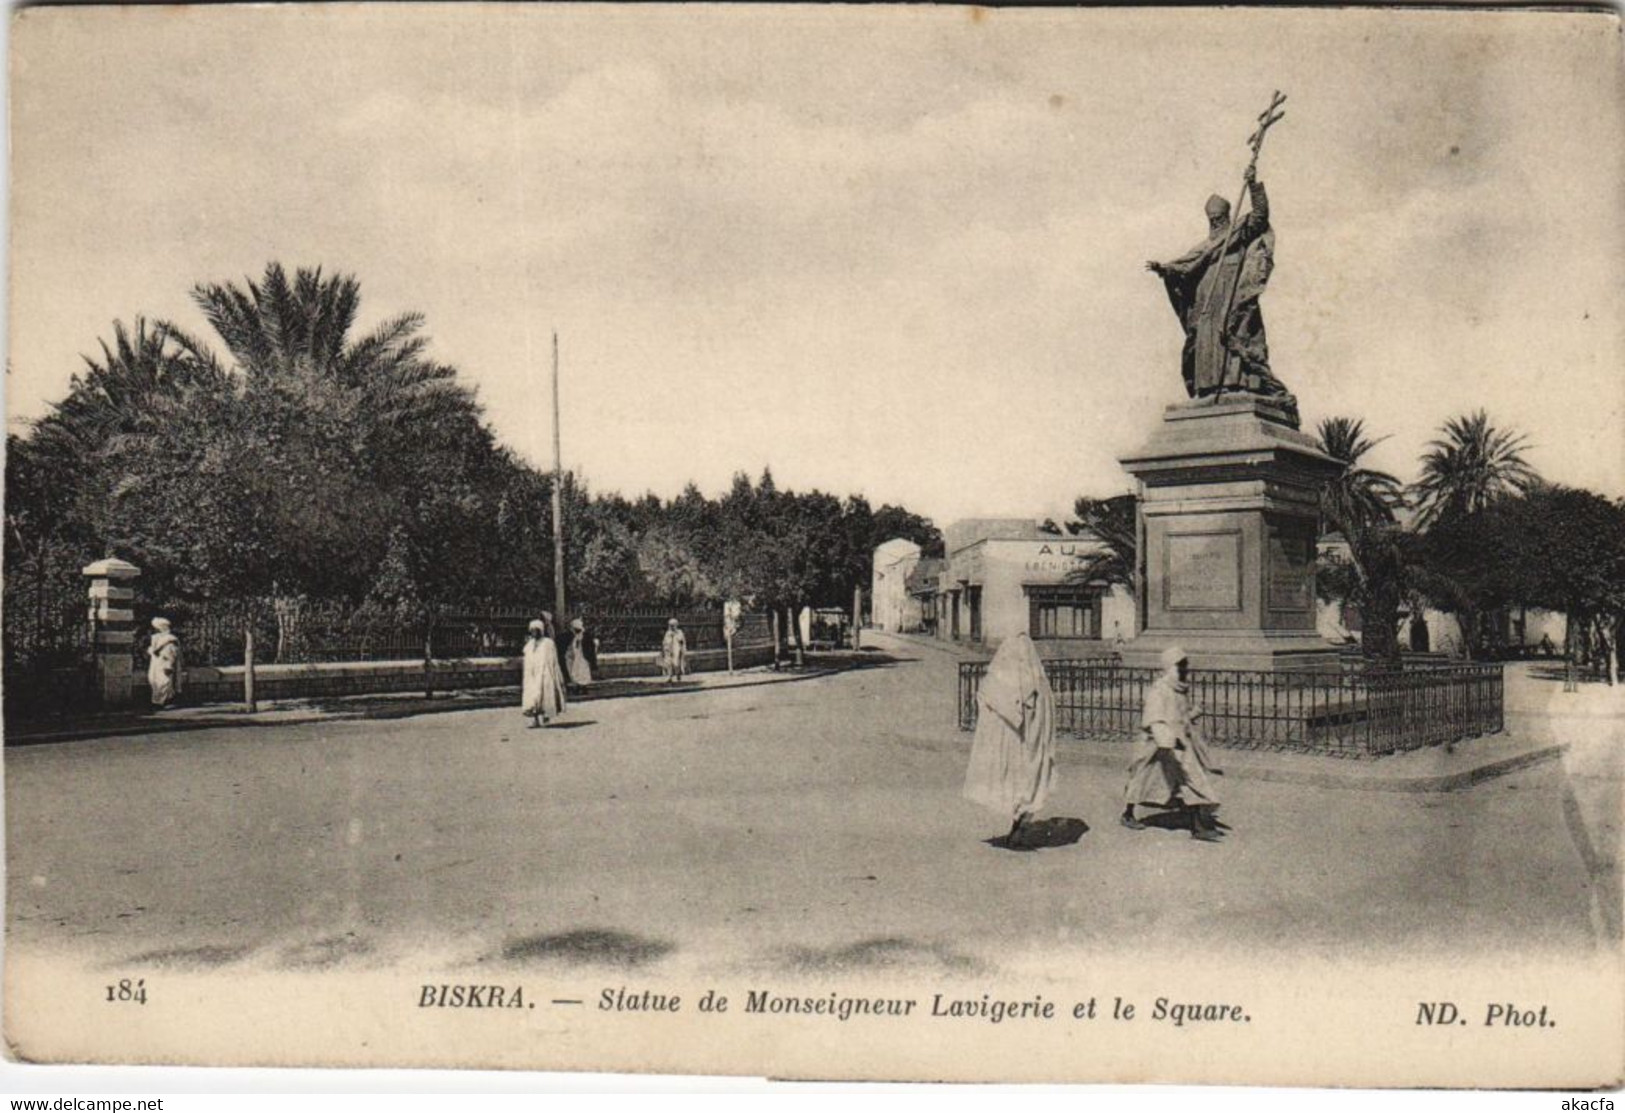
(355, 678)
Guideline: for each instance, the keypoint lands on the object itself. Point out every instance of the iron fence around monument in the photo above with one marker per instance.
(1353, 712)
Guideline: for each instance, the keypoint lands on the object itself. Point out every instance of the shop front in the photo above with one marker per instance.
(997, 586)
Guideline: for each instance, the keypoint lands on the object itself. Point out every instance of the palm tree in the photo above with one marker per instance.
(1361, 497)
(144, 388)
(1468, 470)
(1113, 521)
(1472, 466)
(1360, 504)
(142, 379)
(296, 336)
(338, 417)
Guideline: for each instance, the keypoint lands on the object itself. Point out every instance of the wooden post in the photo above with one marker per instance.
(249, 703)
(857, 617)
(775, 639)
(1571, 646)
(428, 657)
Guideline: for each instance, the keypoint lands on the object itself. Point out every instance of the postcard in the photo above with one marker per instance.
(821, 542)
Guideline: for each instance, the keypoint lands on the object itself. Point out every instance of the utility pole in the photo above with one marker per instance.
(558, 505)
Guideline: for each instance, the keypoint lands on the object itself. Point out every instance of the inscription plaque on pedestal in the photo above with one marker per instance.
(1287, 574)
(1203, 571)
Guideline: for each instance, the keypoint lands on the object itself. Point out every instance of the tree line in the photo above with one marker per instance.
(1477, 533)
(285, 456)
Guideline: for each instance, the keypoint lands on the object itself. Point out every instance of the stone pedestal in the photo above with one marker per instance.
(113, 620)
(1229, 498)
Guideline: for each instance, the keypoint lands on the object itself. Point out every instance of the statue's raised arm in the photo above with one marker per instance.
(1258, 217)
(1215, 287)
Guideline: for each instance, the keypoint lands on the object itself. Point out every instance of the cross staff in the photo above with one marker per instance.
(1266, 120)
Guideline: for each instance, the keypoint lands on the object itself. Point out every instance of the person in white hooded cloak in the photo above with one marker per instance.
(577, 663)
(1012, 757)
(1171, 767)
(164, 664)
(542, 693)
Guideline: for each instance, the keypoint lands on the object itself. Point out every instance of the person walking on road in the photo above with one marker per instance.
(673, 653)
(164, 664)
(1012, 757)
(1171, 767)
(542, 694)
(577, 661)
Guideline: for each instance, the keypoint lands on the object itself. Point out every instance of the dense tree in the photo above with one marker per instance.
(359, 440)
(305, 463)
(1563, 549)
(145, 453)
(672, 568)
(894, 521)
(1467, 476)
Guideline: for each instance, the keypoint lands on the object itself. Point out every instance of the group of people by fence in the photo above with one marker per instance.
(547, 683)
(1012, 759)
(556, 664)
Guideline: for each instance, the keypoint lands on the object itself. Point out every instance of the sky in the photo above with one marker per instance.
(895, 252)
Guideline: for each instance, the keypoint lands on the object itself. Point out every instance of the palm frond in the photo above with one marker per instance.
(1472, 465)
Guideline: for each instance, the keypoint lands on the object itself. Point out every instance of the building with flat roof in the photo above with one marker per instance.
(922, 592)
(1006, 575)
(888, 588)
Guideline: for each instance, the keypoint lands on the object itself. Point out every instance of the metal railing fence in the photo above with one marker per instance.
(297, 631)
(1353, 712)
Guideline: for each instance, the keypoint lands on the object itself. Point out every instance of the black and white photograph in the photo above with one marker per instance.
(857, 543)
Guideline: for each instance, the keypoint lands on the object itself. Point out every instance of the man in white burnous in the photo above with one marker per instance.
(163, 664)
(1171, 767)
(542, 692)
(673, 652)
(1012, 758)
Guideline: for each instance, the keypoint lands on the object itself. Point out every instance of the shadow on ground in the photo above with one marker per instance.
(1174, 819)
(189, 958)
(1558, 671)
(27, 731)
(323, 954)
(1043, 834)
(881, 953)
(588, 947)
(844, 659)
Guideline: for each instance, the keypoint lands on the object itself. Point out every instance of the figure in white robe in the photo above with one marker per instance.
(1012, 757)
(575, 658)
(1172, 767)
(673, 653)
(542, 694)
(164, 664)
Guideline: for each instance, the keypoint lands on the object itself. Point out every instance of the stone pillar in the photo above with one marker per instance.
(114, 622)
(1229, 516)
